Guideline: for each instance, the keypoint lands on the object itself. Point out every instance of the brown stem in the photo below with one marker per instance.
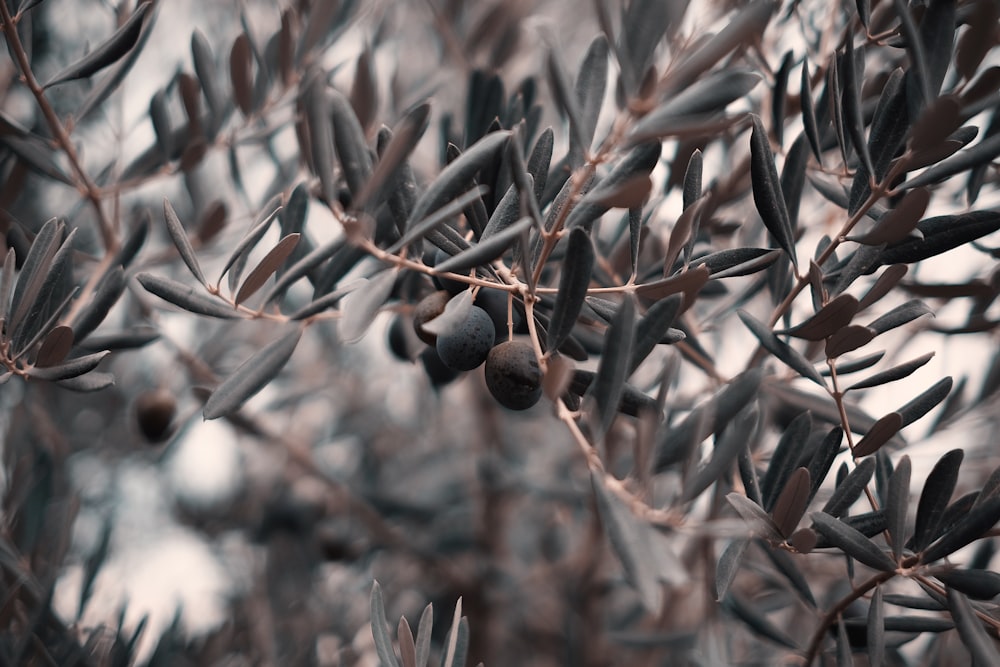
(84, 184)
(839, 608)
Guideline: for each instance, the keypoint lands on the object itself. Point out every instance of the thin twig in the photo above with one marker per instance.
(84, 184)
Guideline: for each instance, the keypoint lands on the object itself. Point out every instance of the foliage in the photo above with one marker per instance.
(665, 460)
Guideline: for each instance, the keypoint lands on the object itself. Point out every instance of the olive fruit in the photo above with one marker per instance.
(427, 309)
(466, 346)
(513, 375)
(437, 372)
(154, 412)
(402, 343)
(450, 285)
(494, 302)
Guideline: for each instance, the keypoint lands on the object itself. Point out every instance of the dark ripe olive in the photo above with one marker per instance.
(452, 286)
(467, 345)
(427, 309)
(400, 337)
(437, 372)
(513, 375)
(494, 302)
(154, 411)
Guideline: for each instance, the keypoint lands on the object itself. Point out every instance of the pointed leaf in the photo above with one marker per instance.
(969, 528)
(55, 347)
(487, 250)
(631, 540)
(181, 241)
(893, 374)
(848, 339)
(790, 356)
(424, 629)
(941, 234)
(728, 447)
(728, 566)
(760, 522)
(785, 457)
(876, 628)
(823, 457)
(792, 502)
(270, 263)
(69, 369)
(573, 283)
(879, 434)
(109, 52)
(977, 584)
(832, 317)
(653, 327)
(419, 228)
(971, 630)
(883, 285)
(925, 402)
(393, 158)
(238, 257)
(848, 491)
(609, 384)
(380, 629)
(361, 305)
(809, 123)
(407, 648)
(852, 542)
(455, 178)
(900, 315)
(938, 489)
(252, 376)
(183, 296)
(897, 225)
(349, 141)
(853, 72)
(898, 504)
(767, 195)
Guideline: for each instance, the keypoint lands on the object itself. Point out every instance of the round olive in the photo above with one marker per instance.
(154, 412)
(437, 372)
(513, 375)
(427, 309)
(466, 347)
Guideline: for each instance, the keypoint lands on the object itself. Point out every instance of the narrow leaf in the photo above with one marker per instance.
(653, 327)
(183, 296)
(785, 457)
(609, 384)
(876, 628)
(252, 376)
(109, 52)
(893, 374)
(728, 566)
(852, 542)
(792, 502)
(380, 629)
(728, 447)
(879, 434)
(883, 285)
(760, 522)
(925, 402)
(847, 340)
(69, 369)
(407, 648)
(832, 317)
(809, 123)
(486, 250)
(897, 225)
(181, 241)
(424, 629)
(938, 489)
(899, 503)
(238, 257)
(631, 540)
(790, 356)
(969, 528)
(573, 283)
(971, 630)
(270, 263)
(361, 305)
(767, 195)
(848, 491)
